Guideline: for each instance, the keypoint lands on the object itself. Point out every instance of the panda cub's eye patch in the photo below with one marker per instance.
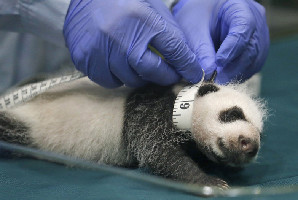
(207, 88)
(231, 115)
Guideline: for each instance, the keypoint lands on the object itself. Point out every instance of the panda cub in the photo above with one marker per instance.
(134, 127)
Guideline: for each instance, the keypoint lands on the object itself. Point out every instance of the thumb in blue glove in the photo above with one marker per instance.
(230, 36)
(108, 41)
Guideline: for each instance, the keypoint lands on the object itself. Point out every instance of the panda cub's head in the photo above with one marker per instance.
(227, 124)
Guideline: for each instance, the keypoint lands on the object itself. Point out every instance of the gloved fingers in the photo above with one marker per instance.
(205, 53)
(241, 22)
(243, 67)
(262, 33)
(120, 68)
(178, 5)
(161, 8)
(84, 49)
(172, 45)
(152, 68)
(94, 64)
(99, 74)
(170, 42)
(197, 33)
(259, 8)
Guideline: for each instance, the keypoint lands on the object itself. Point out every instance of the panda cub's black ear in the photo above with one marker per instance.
(206, 89)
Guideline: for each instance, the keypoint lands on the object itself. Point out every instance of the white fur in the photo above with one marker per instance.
(88, 120)
(87, 124)
(206, 125)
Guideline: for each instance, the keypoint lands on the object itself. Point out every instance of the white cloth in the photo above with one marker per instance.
(43, 18)
(31, 39)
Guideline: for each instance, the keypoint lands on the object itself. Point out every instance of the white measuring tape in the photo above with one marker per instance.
(30, 91)
(182, 111)
(183, 107)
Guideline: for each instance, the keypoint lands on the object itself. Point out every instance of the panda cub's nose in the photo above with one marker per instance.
(247, 146)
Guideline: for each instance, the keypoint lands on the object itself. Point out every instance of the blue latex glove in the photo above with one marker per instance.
(228, 35)
(108, 40)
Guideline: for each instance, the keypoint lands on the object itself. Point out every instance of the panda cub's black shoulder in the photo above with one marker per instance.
(149, 110)
(13, 130)
(148, 119)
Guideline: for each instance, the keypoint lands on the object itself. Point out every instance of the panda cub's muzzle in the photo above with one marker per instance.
(238, 155)
(241, 150)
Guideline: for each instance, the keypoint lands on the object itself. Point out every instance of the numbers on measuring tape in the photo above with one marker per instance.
(184, 105)
(182, 111)
(29, 91)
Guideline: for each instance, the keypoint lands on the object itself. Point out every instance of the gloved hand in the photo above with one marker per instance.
(108, 40)
(228, 35)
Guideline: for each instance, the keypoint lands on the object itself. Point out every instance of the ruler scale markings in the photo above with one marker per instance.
(28, 92)
(186, 101)
(183, 106)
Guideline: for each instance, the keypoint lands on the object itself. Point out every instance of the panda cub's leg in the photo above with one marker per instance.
(13, 130)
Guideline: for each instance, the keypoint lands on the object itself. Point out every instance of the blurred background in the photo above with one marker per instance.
(282, 17)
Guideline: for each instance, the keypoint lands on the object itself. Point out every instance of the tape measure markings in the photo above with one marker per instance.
(182, 111)
(183, 106)
(28, 92)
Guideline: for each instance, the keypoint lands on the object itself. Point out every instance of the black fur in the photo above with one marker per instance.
(12, 130)
(231, 115)
(154, 141)
(206, 89)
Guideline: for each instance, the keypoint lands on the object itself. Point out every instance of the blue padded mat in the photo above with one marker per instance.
(26, 178)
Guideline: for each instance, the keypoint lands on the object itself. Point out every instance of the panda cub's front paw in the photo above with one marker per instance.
(213, 181)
